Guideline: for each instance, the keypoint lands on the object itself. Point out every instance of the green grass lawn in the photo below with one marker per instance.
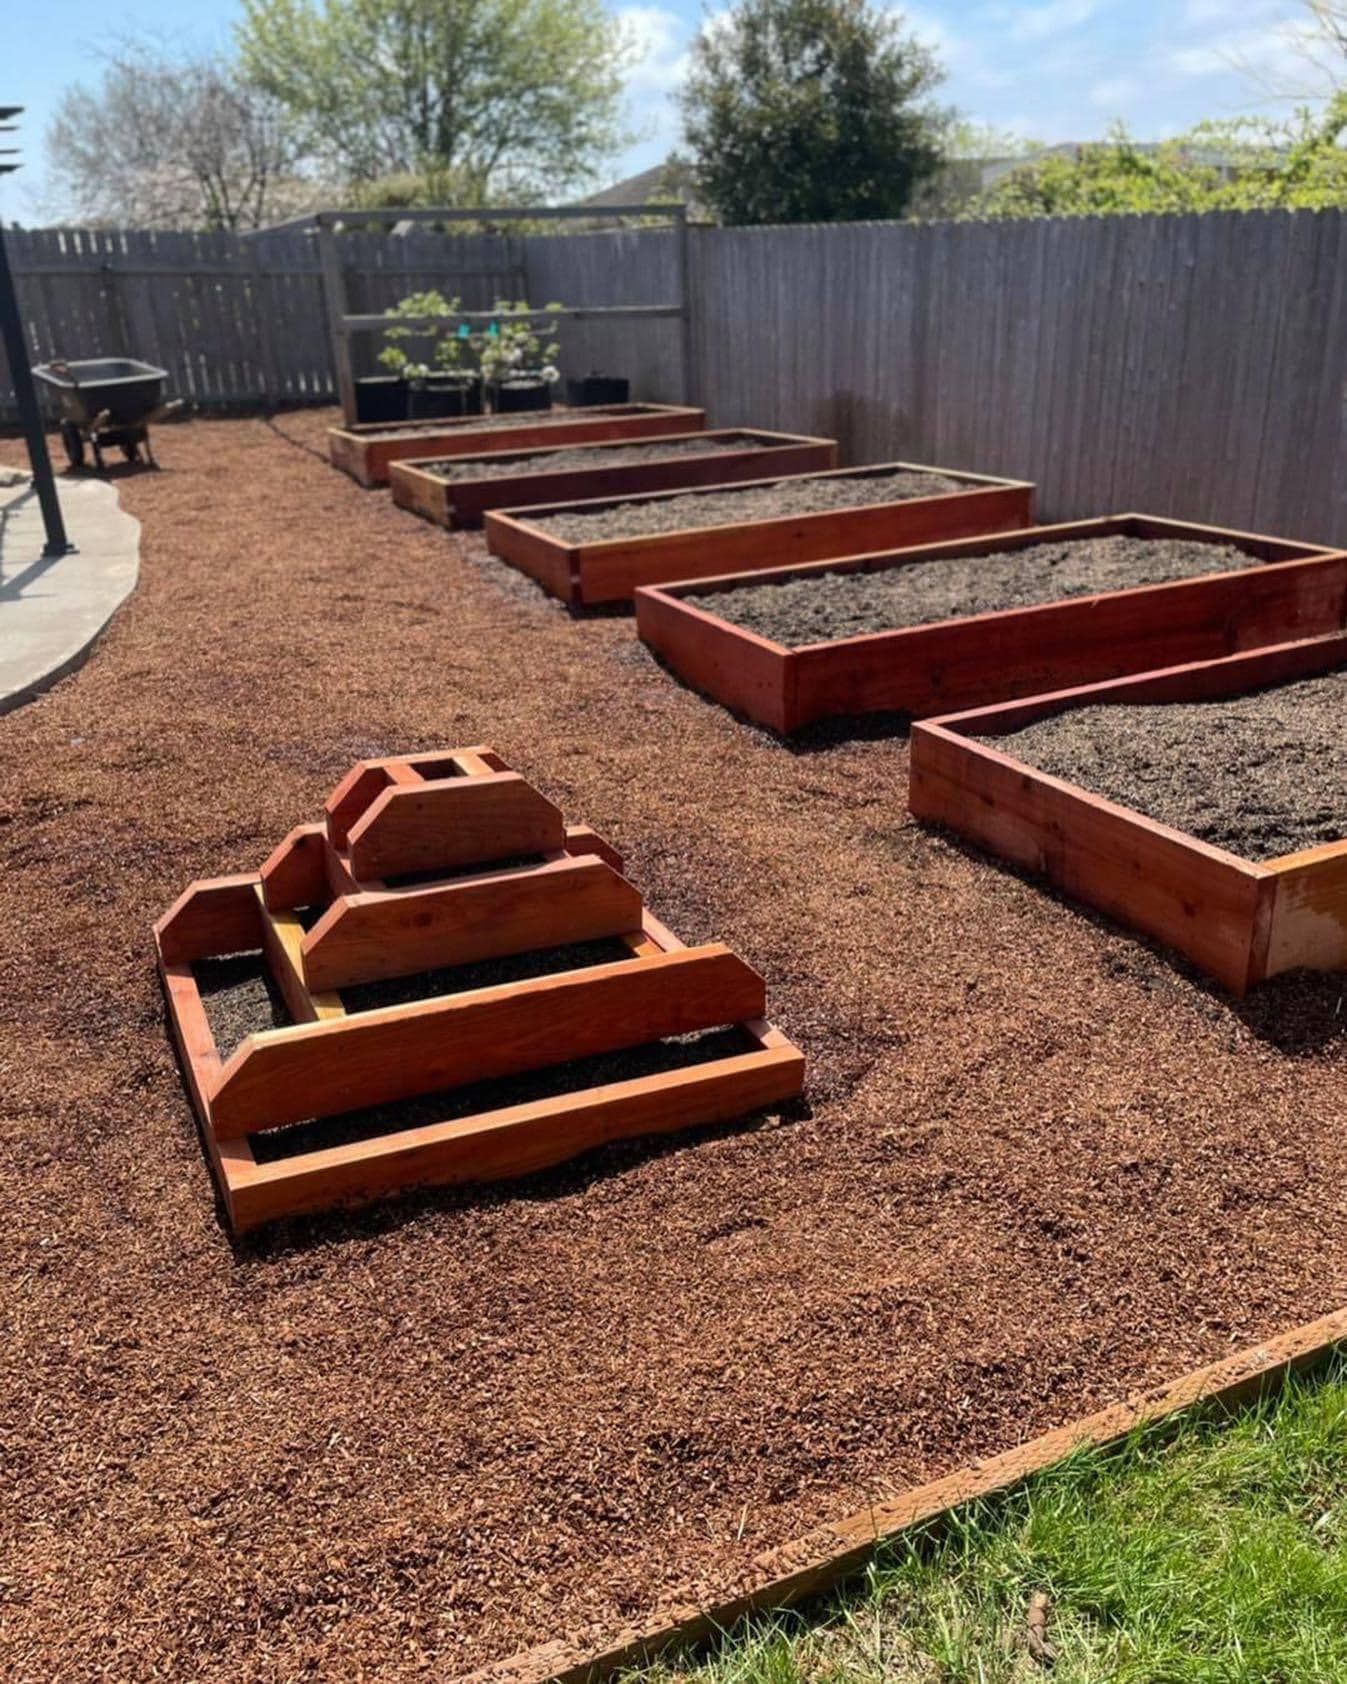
(1214, 1554)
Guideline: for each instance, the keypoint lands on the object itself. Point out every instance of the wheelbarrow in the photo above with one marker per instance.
(105, 402)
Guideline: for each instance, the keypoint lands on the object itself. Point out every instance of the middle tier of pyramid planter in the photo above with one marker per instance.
(473, 991)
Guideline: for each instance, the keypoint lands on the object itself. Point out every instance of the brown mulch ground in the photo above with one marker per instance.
(1262, 774)
(1044, 1165)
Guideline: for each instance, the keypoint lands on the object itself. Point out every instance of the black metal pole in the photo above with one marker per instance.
(30, 415)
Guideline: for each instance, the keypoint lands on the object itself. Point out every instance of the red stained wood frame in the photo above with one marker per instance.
(611, 569)
(962, 663)
(1241, 921)
(747, 453)
(366, 452)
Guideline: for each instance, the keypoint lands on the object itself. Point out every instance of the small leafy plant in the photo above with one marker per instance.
(447, 344)
(512, 348)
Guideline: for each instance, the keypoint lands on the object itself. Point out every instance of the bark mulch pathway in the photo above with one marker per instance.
(756, 502)
(1261, 775)
(1044, 1166)
(826, 606)
(585, 456)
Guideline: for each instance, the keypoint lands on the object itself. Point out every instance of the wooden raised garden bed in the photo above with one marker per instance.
(396, 1063)
(1238, 919)
(942, 664)
(366, 451)
(610, 568)
(521, 478)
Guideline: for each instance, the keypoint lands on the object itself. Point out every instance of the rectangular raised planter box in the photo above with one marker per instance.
(1301, 592)
(365, 452)
(611, 569)
(1239, 920)
(748, 453)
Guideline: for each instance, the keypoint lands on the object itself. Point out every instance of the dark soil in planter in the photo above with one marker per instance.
(802, 496)
(656, 1058)
(585, 456)
(485, 973)
(1260, 775)
(239, 997)
(533, 418)
(827, 606)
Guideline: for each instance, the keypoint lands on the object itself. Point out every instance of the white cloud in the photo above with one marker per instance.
(659, 41)
(1051, 17)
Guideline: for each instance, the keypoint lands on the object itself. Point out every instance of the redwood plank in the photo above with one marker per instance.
(463, 502)
(364, 937)
(366, 452)
(210, 918)
(522, 1139)
(295, 873)
(317, 1070)
(453, 822)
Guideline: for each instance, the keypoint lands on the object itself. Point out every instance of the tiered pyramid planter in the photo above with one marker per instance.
(611, 569)
(960, 663)
(451, 860)
(742, 453)
(1239, 920)
(366, 451)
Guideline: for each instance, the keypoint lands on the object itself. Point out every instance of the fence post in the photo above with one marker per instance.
(334, 296)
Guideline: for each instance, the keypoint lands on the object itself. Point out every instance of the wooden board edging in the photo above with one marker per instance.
(826, 1557)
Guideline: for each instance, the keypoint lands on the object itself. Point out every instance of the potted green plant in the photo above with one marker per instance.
(440, 384)
(518, 367)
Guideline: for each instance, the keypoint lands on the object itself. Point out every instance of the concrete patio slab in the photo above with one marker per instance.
(52, 609)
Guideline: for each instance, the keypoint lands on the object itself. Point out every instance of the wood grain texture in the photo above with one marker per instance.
(397, 1052)
(367, 452)
(963, 663)
(364, 937)
(209, 919)
(464, 502)
(522, 1139)
(1240, 921)
(452, 822)
(834, 1553)
(1191, 897)
(282, 939)
(611, 569)
(295, 873)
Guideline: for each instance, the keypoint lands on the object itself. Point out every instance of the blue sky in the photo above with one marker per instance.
(1050, 69)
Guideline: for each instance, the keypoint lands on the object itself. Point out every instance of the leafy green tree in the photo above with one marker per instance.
(810, 111)
(1249, 164)
(520, 97)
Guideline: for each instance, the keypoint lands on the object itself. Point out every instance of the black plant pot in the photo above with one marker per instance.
(436, 395)
(380, 397)
(597, 388)
(507, 396)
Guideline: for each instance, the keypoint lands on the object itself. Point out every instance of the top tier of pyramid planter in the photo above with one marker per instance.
(603, 549)
(366, 452)
(458, 491)
(442, 982)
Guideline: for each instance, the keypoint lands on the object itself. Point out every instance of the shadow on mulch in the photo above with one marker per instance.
(826, 734)
(1302, 1014)
(293, 1236)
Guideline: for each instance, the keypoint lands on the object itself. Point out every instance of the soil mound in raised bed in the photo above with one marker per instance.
(490, 423)
(1261, 775)
(800, 496)
(827, 606)
(585, 456)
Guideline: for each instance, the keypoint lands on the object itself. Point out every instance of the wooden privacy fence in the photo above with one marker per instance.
(1192, 366)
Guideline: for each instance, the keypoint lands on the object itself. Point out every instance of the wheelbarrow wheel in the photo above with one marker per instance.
(73, 440)
(130, 449)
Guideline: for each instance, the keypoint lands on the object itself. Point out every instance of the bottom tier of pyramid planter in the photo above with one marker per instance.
(440, 983)
(1245, 750)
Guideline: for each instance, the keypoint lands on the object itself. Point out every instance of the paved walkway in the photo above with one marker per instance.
(52, 610)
